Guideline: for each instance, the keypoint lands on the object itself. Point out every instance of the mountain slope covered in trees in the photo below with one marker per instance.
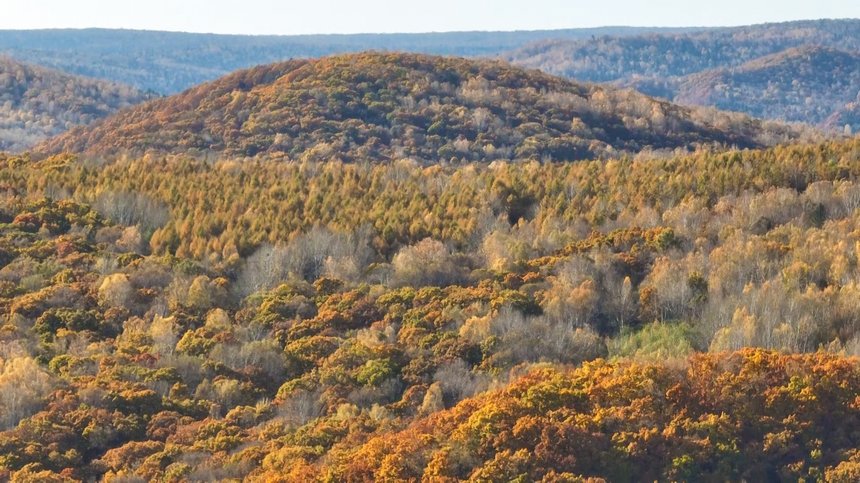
(847, 115)
(754, 69)
(382, 107)
(611, 58)
(710, 418)
(421, 296)
(808, 84)
(37, 103)
(170, 62)
(178, 319)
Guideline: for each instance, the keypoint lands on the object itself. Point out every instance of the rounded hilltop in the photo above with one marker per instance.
(378, 107)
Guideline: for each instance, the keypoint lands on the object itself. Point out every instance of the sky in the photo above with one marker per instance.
(289, 17)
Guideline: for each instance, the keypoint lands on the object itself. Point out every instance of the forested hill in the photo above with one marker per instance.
(807, 84)
(797, 71)
(36, 103)
(848, 115)
(612, 58)
(178, 320)
(170, 62)
(379, 107)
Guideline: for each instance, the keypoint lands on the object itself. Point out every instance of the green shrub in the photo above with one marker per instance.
(659, 340)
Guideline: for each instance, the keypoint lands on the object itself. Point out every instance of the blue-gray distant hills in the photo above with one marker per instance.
(170, 62)
(807, 71)
(37, 103)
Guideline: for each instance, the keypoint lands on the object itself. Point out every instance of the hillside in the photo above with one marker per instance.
(807, 84)
(37, 103)
(675, 319)
(170, 62)
(847, 116)
(798, 71)
(614, 58)
(381, 107)
(715, 418)
(357, 265)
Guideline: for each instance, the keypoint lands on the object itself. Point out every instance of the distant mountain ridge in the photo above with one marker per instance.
(796, 71)
(801, 84)
(37, 103)
(612, 58)
(804, 84)
(170, 62)
(379, 107)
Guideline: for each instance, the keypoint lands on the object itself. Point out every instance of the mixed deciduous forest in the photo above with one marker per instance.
(610, 58)
(800, 72)
(791, 85)
(37, 103)
(797, 71)
(702, 67)
(381, 107)
(487, 321)
(403, 267)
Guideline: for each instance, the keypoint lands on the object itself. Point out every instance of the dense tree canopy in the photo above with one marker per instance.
(753, 416)
(118, 364)
(37, 103)
(806, 84)
(611, 58)
(317, 314)
(376, 107)
(798, 71)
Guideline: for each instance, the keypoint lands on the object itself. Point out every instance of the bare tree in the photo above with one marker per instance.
(131, 208)
(307, 257)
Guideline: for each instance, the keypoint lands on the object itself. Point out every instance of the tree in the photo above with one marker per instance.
(116, 290)
(164, 334)
(626, 302)
(132, 208)
(428, 263)
(23, 386)
(201, 293)
(434, 399)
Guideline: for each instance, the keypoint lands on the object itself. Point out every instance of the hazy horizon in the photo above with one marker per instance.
(270, 17)
(423, 32)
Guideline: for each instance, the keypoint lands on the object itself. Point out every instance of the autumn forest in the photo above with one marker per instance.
(387, 266)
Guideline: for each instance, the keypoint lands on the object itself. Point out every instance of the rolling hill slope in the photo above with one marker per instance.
(380, 107)
(614, 58)
(807, 84)
(36, 103)
(795, 71)
(846, 118)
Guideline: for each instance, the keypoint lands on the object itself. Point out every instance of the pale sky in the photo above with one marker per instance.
(345, 16)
